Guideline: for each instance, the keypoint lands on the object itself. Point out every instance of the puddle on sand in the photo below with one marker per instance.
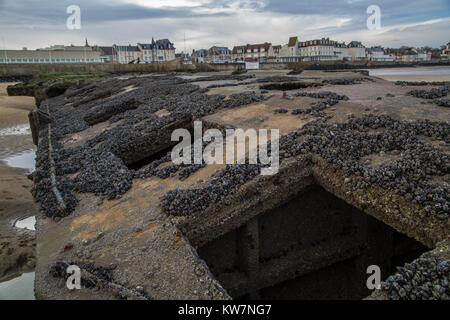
(20, 288)
(27, 223)
(25, 160)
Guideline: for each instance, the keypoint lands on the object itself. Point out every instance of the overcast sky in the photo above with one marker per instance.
(204, 23)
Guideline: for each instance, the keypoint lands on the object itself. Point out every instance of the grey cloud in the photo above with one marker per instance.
(54, 12)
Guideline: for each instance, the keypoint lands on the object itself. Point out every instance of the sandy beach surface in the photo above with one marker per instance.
(17, 246)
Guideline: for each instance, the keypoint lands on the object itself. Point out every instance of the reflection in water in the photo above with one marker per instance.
(27, 223)
(23, 160)
(20, 288)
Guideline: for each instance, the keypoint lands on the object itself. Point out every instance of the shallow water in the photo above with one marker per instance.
(20, 288)
(438, 71)
(27, 223)
(24, 160)
(19, 130)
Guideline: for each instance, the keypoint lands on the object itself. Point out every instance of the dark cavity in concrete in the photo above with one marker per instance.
(149, 159)
(140, 152)
(285, 86)
(316, 246)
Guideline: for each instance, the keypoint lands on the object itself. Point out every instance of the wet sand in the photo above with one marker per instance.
(17, 246)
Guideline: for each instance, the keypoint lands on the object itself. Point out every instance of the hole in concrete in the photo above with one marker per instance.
(316, 246)
(108, 110)
(148, 160)
(285, 86)
(140, 152)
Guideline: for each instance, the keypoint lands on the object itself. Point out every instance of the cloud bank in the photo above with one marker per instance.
(204, 23)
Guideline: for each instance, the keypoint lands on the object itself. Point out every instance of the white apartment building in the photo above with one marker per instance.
(257, 52)
(318, 50)
(321, 50)
(127, 54)
(357, 51)
(377, 54)
(157, 51)
(342, 51)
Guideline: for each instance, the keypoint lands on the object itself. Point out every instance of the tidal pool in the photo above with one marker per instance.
(25, 160)
(27, 223)
(19, 288)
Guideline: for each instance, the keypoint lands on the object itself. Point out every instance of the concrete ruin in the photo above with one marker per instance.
(363, 180)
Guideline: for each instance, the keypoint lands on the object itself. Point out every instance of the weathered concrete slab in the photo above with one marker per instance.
(151, 254)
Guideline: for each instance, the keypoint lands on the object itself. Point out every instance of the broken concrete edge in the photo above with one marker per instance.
(208, 287)
(441, 253)
(236, 210)
(61, 204)
(242, 207)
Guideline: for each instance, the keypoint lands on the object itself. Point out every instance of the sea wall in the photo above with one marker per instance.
(21, 69)
(39, 68)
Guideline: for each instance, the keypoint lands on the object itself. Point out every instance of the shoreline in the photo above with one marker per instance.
(17, 250)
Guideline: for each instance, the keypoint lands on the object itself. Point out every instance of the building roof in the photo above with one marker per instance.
(158, 44)
(126, 48)
(200, 53)
(375, 49)
(355, 44)
(219, 50)
(264, 46)
(322, 42)
(106, 51)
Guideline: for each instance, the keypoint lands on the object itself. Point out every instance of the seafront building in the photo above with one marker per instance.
(157, 51)
(214, 54)
(154, 52)
(163, 50)
(261, 52)
(322, 49)
(53, 54)
(445, 55)
(378, 54)
(127, 54)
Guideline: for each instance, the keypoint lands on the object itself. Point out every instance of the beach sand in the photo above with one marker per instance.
(17, 246)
